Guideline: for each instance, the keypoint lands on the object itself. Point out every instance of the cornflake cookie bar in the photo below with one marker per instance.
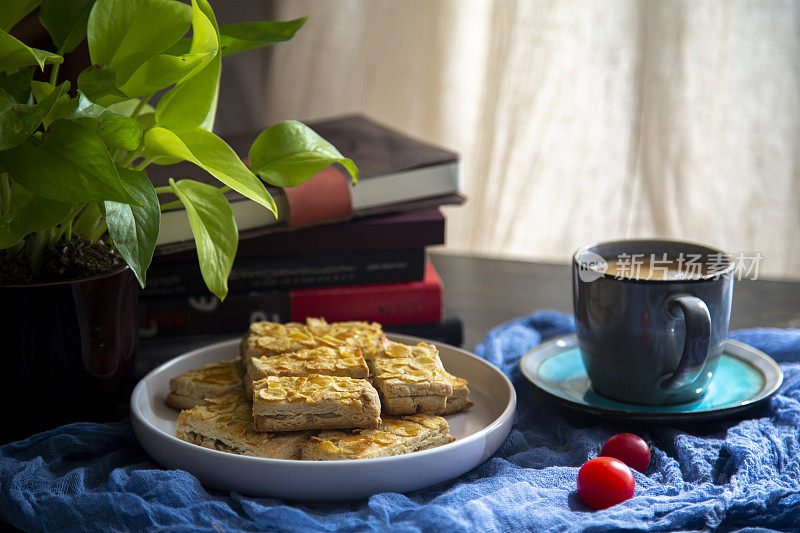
(269, 338)
(364, 335)
(226, 424)
(344, 361)
(286, 403)
(395, 436)
(459, 400)
(211, 381)
(411, 379)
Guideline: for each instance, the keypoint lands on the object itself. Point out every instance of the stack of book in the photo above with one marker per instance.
(363, 259)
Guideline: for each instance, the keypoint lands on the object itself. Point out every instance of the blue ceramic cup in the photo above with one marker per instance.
(651, 318)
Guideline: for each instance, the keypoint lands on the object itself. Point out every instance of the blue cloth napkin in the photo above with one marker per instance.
(727, 475)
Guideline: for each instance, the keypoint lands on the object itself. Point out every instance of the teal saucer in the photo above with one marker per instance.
(744, 378)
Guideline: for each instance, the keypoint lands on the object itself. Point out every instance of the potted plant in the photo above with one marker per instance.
(79, 217)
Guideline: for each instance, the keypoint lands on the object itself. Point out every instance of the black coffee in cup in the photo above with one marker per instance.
(651, 318)
(654, 268)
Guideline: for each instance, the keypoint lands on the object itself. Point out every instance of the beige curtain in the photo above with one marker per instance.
(576, 121)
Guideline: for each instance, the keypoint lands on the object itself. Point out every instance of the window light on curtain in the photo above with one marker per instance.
(576, 121)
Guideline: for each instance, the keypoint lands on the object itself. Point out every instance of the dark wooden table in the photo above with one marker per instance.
(488, 292)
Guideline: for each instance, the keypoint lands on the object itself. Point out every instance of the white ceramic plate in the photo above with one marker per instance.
(479, 432)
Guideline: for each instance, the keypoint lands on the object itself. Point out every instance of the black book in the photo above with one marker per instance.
(450, 331)
(291, 272)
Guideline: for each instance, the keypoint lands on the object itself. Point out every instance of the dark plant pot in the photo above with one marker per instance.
(67, 351)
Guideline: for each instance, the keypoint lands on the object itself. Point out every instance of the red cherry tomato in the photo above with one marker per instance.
(605, 481)
(628, 448)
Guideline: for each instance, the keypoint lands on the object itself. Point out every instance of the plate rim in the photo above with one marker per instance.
(507, 413)
(764, 394)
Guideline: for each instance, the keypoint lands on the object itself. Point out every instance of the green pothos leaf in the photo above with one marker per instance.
(124, 34)
(69, 164)
(12, 11)
(14, 54)
(134, 229)
(19, 121)
(290, 152)
(210, 153)
(27, 213)
(115, 130)
(214, 229)
(65, 21)
(192, 103)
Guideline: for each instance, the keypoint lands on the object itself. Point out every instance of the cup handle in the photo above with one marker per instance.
(698, 340)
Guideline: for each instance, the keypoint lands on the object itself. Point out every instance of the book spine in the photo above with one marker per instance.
(197, 315)
(403, 230)
(310, 270)
(390, 304)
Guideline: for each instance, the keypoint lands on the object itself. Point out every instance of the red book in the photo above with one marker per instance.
(415, 302)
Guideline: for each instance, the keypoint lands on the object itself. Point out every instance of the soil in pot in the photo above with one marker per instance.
(74, 259)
